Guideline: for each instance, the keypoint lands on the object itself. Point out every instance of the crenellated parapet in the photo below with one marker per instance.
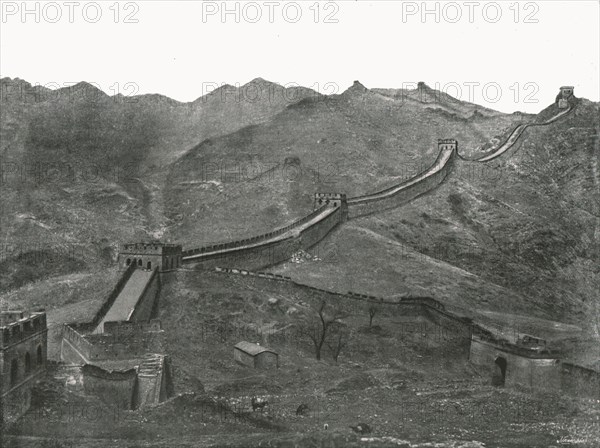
(567, 91)
(16, 326)
(334, 200)
(447, 143)
(150, 255)
(23, 352)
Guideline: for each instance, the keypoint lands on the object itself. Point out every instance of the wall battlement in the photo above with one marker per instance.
(567, 91)
(447, 143)
(23, 352)
(126, 341)
(334, 199)
(148, 255)
(17, 326)
(271, 248)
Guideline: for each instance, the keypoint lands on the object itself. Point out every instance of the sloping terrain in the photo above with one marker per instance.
(265, 175)
(82, 171)
(526, 223)
(510, 243)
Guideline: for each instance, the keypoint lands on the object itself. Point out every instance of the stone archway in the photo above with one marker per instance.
(39, 358)
(14, 372)
(27, 363)
(499, 376)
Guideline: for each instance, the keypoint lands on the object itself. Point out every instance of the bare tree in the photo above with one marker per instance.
(373, 310)
(318, 324)
(338, 340)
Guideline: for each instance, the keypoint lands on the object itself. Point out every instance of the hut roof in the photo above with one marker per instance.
(252, 349)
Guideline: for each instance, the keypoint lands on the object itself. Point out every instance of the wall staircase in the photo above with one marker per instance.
(127, 299)
(151, 388)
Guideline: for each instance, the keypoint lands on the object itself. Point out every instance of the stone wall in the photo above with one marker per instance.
(112, 296)
(269, 249)
(533, 372)
(405, 192)
(580, 381)
(80, 349)
(113, 388)
(147, 301)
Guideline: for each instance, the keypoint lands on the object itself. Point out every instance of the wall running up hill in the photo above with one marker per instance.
(135, 300)
(516, 134)
(401, 194)
(270, 248)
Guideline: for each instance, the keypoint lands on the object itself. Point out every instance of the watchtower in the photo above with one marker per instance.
(332, 200)
(447, 143)
(566, 91)
(23, 352)
(563, 98)
(165, 257)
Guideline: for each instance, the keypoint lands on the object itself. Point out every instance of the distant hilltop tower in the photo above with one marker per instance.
(447, 143)
(563, 98)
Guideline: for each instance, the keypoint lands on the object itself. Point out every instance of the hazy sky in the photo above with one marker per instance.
(506, 55)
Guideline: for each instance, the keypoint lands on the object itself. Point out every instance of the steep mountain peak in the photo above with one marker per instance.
(261, 82)
(356, 88)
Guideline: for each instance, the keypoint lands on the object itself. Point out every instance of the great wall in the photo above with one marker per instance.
(123, 329)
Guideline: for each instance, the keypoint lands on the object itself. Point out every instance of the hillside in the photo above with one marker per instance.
(526, 226)
(82, 171)
(512, 244)
(356, 142)
(508, 233)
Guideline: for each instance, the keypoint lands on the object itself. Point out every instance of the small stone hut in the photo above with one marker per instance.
(254, 355)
